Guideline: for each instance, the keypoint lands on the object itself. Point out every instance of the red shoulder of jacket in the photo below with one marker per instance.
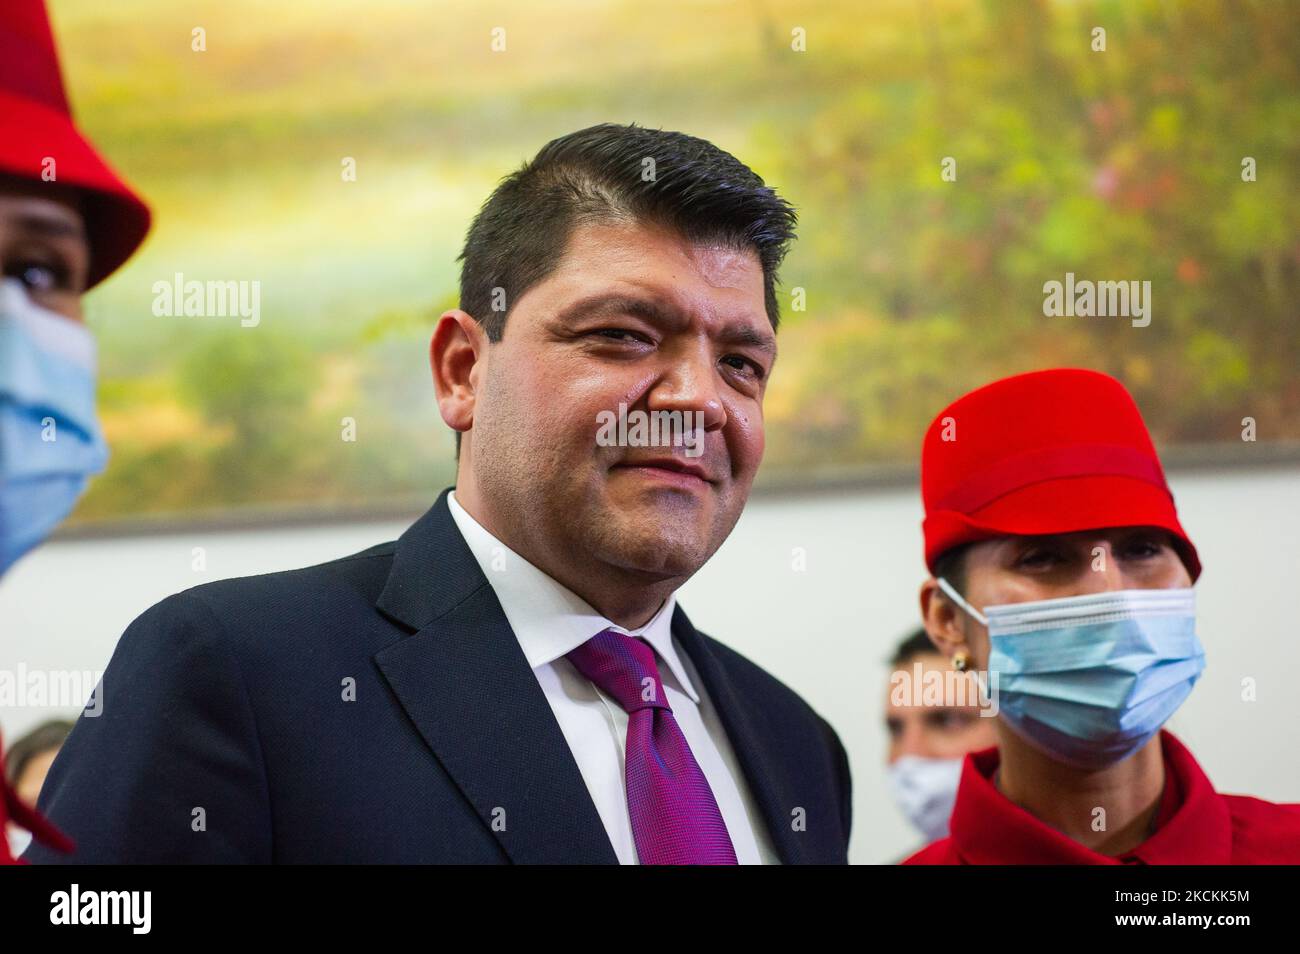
(939, 852)
(1263, 833)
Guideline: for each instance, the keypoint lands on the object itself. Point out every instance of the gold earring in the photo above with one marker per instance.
(959, 661)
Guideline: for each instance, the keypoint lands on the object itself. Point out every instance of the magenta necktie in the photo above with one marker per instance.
(675, 819)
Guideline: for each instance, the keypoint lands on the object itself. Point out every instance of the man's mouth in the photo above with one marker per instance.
(672, 470)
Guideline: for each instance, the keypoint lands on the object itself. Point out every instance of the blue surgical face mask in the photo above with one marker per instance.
(1088, 680)
(50, 440)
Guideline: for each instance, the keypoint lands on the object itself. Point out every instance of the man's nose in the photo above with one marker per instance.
(689, 384)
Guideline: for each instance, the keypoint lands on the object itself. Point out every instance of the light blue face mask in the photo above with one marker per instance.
(50, 440)
(1088, 680)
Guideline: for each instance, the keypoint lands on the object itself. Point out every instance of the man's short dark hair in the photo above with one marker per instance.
(600, 174)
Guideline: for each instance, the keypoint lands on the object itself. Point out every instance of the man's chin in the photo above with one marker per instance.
(656, 564)
(660, 545)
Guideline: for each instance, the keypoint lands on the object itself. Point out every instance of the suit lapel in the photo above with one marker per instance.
(465, 683)
(741, 716)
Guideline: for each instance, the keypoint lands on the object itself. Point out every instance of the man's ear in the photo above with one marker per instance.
(943, 621)
(457, 353)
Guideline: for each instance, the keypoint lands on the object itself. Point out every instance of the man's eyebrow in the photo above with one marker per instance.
(651, 310)
(748, 336)
(608, 305)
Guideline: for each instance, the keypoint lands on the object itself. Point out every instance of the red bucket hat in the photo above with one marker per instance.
(1052, 451)
(36, 124)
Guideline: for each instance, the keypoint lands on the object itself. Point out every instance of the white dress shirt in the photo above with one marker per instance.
(549, 620)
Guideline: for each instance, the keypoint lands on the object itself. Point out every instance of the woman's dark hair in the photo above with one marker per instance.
(46, 736)
(951, 565)
(615, 173)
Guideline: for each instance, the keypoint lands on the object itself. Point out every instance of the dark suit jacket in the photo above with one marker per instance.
(228, 733)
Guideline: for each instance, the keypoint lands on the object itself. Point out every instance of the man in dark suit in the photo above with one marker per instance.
(512, 679)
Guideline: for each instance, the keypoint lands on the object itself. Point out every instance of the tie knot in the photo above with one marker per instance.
(624, 668)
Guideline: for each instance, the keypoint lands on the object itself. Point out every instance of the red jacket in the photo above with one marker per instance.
(1195, 825)
(13, 810)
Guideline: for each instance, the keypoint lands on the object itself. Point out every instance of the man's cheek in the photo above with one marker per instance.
(750, 447)
(760, 444)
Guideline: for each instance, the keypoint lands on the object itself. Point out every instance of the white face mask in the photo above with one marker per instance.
(925, 791)
(19, 839)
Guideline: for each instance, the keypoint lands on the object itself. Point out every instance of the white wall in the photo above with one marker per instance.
(826, 631)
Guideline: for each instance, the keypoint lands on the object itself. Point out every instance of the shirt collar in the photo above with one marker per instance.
(988, 828)
(548, 618)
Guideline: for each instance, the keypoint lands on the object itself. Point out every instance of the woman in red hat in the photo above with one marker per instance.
(66, 223)
(1063, 579)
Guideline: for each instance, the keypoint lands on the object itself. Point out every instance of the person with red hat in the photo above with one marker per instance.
(67, 222)
(1062, 578)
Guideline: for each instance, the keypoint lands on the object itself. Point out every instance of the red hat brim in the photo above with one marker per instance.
(116, 218)
(1062, 505)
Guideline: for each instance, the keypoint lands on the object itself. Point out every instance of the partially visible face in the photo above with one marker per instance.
(1020, 569)
(633, 315)
(43, 243)
(28, 784)
(935, 731)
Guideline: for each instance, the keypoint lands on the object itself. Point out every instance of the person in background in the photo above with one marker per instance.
(927, 742)
(67, 222)
(27, 762)
(1062, 574)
